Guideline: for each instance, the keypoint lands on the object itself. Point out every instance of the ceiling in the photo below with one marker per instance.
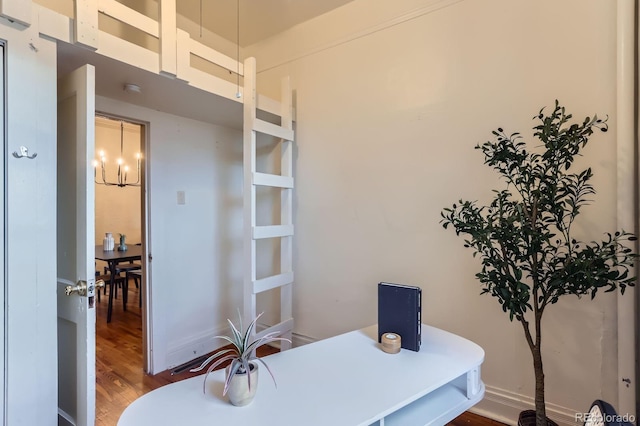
(259, 19)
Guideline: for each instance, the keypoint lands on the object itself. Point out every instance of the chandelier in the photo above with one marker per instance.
(123, 168)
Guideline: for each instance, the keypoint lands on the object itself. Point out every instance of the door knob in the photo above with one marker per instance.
(80, 289)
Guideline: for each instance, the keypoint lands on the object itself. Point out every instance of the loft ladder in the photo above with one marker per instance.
(253, 179)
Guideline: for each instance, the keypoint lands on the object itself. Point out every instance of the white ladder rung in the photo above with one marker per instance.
(272, 129)
(282, 134)
(281, 328)
(276, 181)
(272, 231)
(272, 282)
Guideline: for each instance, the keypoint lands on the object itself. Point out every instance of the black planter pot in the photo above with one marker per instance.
(528, 418)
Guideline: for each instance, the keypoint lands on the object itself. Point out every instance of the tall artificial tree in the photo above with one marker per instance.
(524, 238)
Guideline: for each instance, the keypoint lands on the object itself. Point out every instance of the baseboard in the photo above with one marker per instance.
(195, 346)
(505, 406)
(296, 339)
(301, 340)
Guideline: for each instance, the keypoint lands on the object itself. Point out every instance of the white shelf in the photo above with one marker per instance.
(436, 408)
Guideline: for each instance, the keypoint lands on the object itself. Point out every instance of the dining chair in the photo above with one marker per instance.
(106, 277)
(126, 267)
(118, 280)
(137, 278)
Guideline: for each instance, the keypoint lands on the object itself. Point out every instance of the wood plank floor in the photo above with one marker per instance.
(119, 376)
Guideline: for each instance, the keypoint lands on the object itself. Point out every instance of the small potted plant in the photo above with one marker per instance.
(241, 379)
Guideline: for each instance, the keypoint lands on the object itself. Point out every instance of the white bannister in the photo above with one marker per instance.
(215, 57)
(122, 13)
(168, 38)
(85, 24)
(17, 11)
(176, 45)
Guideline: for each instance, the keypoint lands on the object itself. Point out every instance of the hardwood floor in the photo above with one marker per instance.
(119, 376)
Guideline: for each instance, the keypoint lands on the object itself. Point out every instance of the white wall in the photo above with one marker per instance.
(391, 99)
(196, 276)
(31, 360)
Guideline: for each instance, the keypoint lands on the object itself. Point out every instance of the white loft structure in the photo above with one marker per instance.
(174, 61)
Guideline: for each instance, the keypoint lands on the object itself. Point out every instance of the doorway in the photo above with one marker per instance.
(120, 212)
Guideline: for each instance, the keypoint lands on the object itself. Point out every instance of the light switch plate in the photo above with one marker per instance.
(182, 197)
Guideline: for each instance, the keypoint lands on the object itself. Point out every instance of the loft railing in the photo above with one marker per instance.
(171, 55)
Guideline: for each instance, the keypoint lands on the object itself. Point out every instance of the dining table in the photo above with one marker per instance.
(113, 258)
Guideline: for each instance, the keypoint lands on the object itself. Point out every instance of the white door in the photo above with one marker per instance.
(75, 245)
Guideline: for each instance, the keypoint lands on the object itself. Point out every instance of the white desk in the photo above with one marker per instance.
(345, 380)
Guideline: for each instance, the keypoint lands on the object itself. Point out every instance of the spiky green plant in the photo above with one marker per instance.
(241, 353)
(524, 236)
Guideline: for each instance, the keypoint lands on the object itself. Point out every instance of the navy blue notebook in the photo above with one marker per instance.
(399, 308)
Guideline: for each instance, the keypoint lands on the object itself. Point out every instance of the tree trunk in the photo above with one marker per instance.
(541, 413)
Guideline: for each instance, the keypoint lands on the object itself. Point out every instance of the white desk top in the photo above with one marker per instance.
(344, 380)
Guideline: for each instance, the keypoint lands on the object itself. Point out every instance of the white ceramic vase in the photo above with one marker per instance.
(238, 391)
(108, 242)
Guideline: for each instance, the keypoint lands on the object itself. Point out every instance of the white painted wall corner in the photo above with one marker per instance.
(195, 346)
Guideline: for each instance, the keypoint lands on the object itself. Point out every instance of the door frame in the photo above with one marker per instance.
(627, 204)
(3, 233)
(145, 287)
